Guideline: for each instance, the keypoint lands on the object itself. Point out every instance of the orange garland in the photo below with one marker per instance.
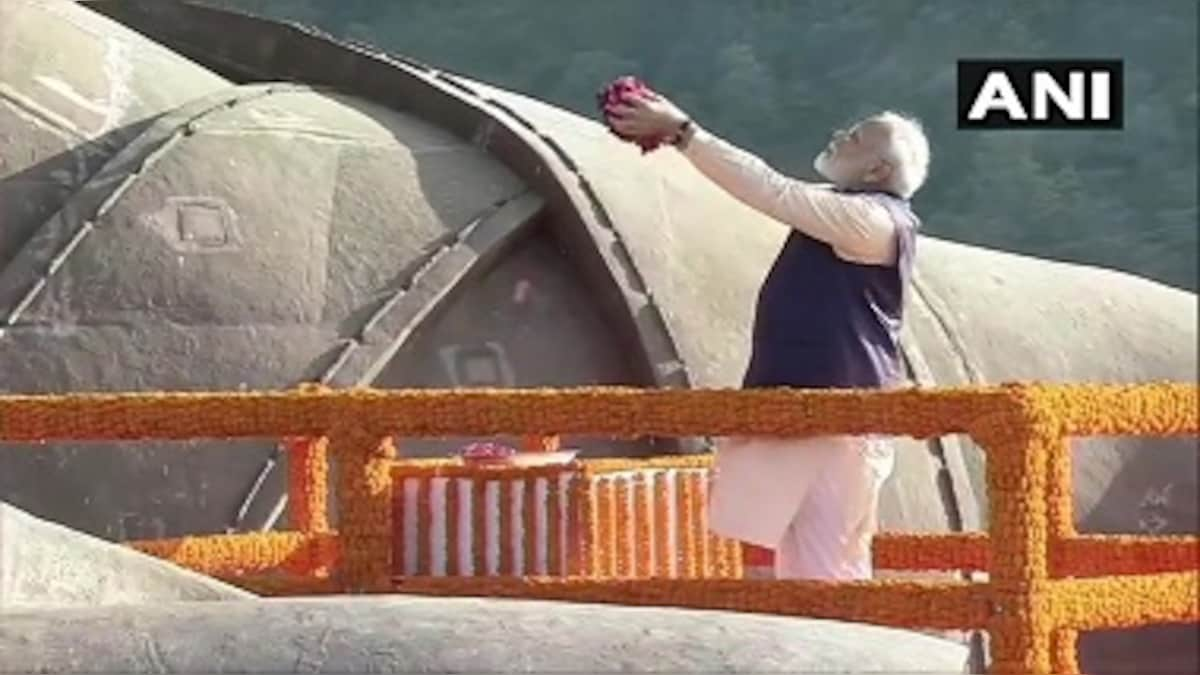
(685, 503)
(607, 518)
(662, 531)
(1169, 408)
(364, 488)
(625, 566)
(643, 532)
(1126, 601)
(1084, 555)
(308, 483)
(236, 554)
(1033, 618)
(619, 523)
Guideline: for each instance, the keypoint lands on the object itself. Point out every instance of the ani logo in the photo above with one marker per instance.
(1025, 94)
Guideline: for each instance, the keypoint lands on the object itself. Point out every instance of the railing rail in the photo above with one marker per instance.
(1032, 605)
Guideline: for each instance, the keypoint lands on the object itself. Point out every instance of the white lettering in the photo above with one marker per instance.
(1101, 109)
(997, 93)
(1045, 87)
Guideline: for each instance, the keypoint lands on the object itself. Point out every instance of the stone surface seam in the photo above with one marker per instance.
(147, 162)
(604, 220)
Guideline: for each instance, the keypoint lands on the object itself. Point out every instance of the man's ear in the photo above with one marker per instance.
(879, 172)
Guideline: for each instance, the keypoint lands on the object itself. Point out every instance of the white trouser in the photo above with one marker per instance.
(814, 501)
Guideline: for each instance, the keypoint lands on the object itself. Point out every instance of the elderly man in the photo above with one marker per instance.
(828, 316)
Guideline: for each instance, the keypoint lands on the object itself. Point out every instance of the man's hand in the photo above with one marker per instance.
(648, 116)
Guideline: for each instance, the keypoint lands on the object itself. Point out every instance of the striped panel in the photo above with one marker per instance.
(633, 523)
(473, 526)
(651, 523)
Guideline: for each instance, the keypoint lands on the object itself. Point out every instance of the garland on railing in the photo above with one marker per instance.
(364, 490)
(308, 483)
(1126, 601)
(227, 555)
(1033, 616)
(1083, 555)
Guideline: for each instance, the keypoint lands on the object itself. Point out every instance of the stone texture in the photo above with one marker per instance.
(45, 566)
(75, 87)
(411, 635)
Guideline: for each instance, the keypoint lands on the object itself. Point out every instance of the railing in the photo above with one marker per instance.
(1045, 582)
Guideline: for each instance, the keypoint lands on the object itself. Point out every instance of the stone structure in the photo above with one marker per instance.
(47, 566)
(419, 635)
(228, 202)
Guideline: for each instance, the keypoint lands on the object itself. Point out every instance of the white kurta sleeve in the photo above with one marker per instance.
(859, 229)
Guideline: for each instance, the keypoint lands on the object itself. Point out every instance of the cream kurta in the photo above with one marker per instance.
(814, 501)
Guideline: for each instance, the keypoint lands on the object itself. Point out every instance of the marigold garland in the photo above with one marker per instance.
(364, 490)
(1126, 601)
(1022, 624)
(1034, 615)
(702, 551)
(1083, 555)
(620, 523)
(624, 554)
(662, 525)
(643, 533)
(581, 524)
(1064, 659)
(617, 412)
(235, 554)
(606, 530)
(685, 507)
(308, 483)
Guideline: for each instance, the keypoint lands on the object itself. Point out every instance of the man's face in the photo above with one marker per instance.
(853, 155)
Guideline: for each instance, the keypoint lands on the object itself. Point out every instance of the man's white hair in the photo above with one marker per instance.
(907, 151)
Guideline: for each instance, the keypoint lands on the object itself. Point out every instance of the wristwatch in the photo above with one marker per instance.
(683, 134)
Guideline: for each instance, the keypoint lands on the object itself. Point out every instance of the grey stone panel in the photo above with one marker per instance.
(47, 567)
(75, 87)
(439, 635)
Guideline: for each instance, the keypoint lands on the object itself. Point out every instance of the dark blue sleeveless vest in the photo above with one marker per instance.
(823, 322)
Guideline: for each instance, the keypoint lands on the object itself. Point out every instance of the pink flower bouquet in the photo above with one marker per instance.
(623, 90)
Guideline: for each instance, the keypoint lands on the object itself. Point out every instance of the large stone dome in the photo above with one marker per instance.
(261, 206)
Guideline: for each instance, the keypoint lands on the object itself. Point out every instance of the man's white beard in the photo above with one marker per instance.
(833, 170)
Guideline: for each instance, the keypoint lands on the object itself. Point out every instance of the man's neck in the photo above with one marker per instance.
(867, 189)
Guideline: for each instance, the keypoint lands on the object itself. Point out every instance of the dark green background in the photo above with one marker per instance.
(777, 76)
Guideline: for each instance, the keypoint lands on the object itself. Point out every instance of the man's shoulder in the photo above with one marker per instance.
(900, 209)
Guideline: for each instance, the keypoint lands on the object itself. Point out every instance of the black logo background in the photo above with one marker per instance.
(972, 73)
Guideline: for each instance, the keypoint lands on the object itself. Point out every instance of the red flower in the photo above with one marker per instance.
(623, 90)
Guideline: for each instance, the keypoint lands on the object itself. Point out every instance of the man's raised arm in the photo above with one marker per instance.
(859, 229)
